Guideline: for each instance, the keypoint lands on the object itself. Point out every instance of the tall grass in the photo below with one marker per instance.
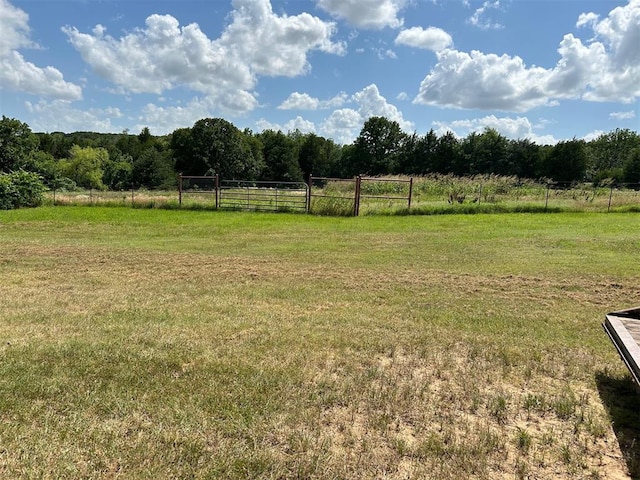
(194, 344)
(432, 194)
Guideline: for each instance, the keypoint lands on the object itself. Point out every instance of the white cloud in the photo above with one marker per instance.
(372, 104)
(345, 124)
(478, 19)
(607, 68)
(60, 115)
(513, 128)
(388, 53)
(369, 14)
(303, 101)
(164, 55)
(300, 101)
(587, 19)
(483, 81)
(15, 29)
(165, 119)
(623, 115)
(297, 123)
(432, 38)
(20, 75)
(592, 135)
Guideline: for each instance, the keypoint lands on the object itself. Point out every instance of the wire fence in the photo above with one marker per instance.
(367, 195)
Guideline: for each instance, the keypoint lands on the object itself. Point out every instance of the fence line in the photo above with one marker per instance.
(340, 196)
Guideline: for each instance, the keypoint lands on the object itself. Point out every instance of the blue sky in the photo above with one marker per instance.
(547, 70)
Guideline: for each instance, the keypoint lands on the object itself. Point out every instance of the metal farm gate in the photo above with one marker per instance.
(341, 196)
(247, 195)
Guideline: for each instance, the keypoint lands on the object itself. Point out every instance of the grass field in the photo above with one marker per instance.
(190, 344)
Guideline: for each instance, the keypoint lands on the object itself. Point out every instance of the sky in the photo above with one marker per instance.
(546, 70)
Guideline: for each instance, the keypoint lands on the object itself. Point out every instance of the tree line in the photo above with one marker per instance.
(214, 145)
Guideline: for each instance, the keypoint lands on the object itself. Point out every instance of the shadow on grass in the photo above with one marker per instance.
(621, 397)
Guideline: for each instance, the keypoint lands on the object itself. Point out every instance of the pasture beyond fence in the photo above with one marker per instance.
(371, 195)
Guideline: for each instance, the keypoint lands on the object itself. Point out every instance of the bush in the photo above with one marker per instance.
(20, 189)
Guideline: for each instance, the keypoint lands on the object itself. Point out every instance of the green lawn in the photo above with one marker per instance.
(184, 344)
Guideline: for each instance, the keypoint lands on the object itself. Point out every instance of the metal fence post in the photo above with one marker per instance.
(308, 206)
(410, 192)
(356, 202)
(180, 189)
(217, 188)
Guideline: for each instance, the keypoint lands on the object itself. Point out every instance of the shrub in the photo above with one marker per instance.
(20, 189)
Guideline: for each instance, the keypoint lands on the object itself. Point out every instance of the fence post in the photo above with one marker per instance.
(217, 188)
(180, 189)
(308, 206)
(480, 195)
(610, 197)
(410, 192)
(356, 202)
(132, 199)
(546, 201)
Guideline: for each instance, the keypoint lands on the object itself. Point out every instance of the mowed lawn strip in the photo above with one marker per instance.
(154, 343)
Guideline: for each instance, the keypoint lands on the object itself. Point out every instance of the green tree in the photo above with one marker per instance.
(117, 173)
(417, 154)
(448, 157)
(523, 158)
(566, 161)
(57, 144)
(181, 144)
(490, 155)
(85, 166)
(631, 169)
(154, 169)
(20, 189)
(280, 157)
(221, 147)
(317, 155)
(608, 153)
(17, 145)
(378, 147)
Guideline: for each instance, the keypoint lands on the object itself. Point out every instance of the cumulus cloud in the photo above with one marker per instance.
(345, 124)
(304, 101)
(60, 115)
(514, 128)
(432, 38)
(20, 75)
(164, 55)
(298, 123)
(483, 81)
(606, 68)
(587, 19)
(368, 14)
